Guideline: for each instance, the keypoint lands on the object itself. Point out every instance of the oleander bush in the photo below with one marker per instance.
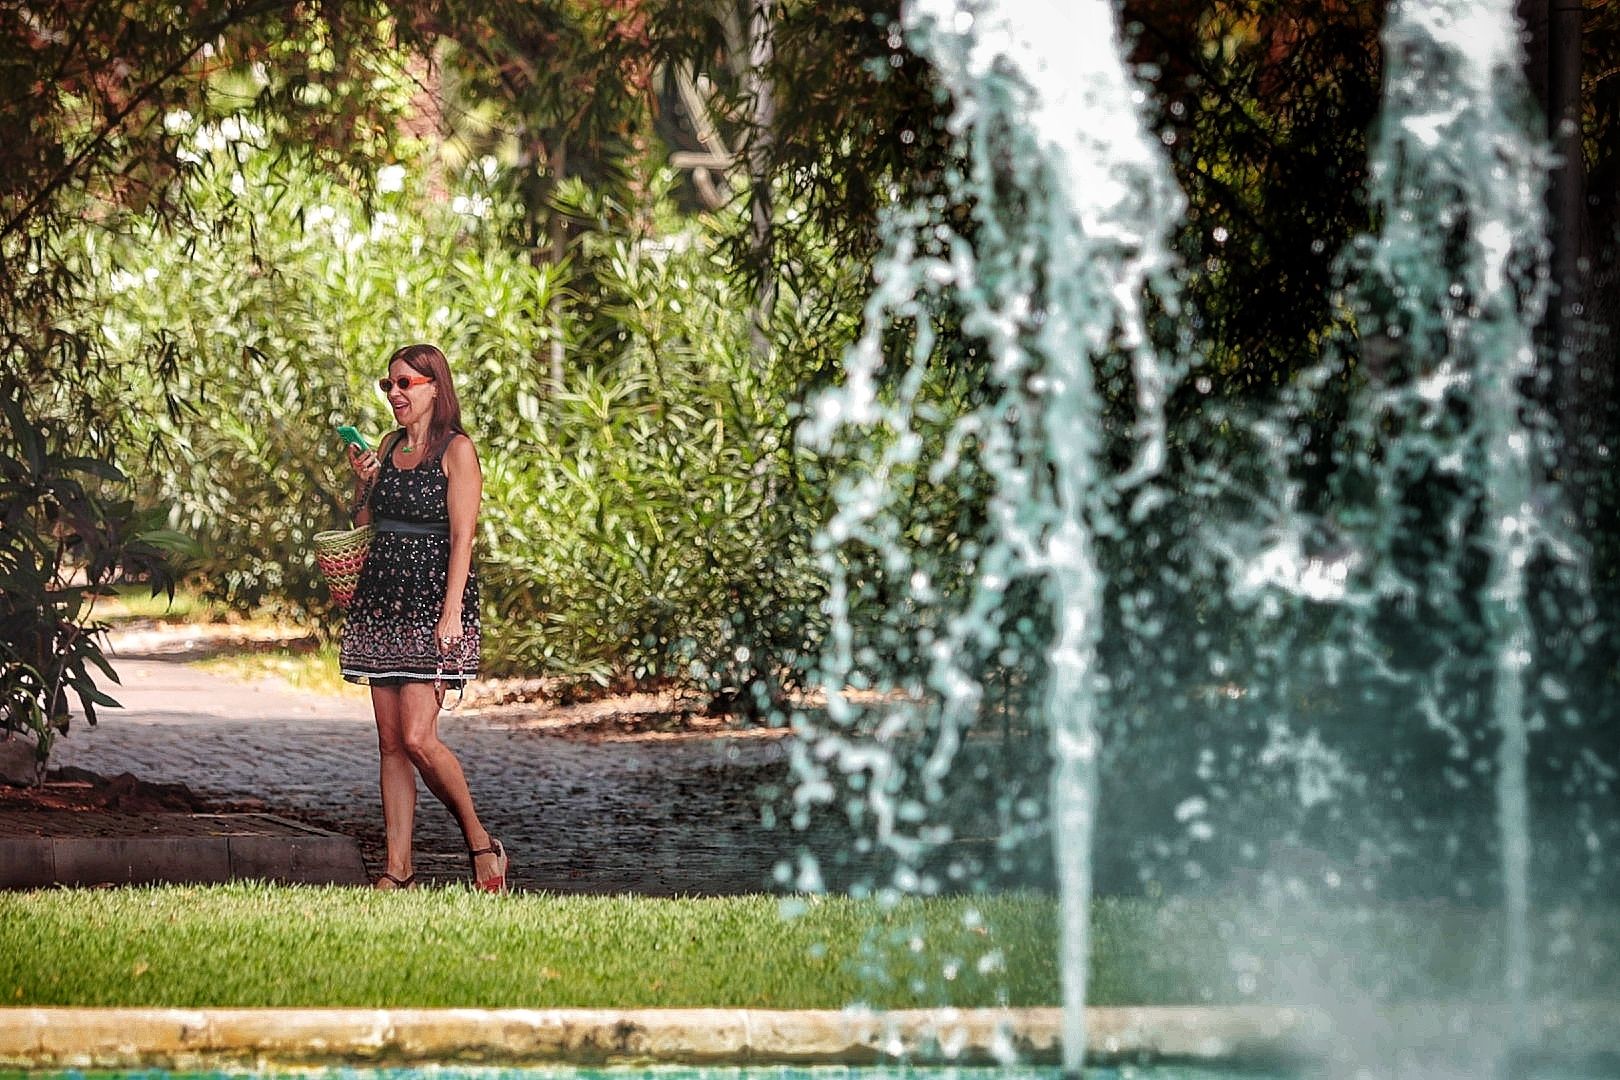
(640, 522)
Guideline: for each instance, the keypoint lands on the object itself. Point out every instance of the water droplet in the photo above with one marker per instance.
(1191, 808)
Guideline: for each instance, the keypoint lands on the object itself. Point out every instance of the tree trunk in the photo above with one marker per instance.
(557, 162)
(761, 148)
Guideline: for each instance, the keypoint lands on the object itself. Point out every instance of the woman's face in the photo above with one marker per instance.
(413, 403)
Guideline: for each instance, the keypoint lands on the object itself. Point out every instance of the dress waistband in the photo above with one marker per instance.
(413, 528)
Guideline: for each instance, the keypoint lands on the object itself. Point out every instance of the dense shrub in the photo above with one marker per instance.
(638, 521)
(652, 530)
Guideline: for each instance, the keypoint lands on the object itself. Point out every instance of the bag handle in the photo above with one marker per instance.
(438, 675)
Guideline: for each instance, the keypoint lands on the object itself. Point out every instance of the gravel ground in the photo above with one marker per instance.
(582, 799)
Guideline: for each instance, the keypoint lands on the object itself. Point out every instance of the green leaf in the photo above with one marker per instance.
(106, 470)
(172, 541)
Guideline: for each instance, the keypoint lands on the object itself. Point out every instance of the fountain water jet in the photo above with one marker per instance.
(1059, 278)
(1079, 255)
(1460, 187)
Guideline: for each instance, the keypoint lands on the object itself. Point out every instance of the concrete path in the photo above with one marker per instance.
(675, 817)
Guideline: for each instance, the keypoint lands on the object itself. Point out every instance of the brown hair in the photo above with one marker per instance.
(428, 360)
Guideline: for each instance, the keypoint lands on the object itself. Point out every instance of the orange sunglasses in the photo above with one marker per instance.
(404, 382)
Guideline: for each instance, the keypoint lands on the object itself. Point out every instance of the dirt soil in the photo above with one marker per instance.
(73, 788)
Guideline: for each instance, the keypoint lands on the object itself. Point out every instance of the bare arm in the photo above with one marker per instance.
(466, 489)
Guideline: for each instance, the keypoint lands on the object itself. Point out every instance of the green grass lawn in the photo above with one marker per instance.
(247, 944)
(304, 664)
(257, 945)
(132, 603)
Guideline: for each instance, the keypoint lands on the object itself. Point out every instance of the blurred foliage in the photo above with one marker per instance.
(1260, 103)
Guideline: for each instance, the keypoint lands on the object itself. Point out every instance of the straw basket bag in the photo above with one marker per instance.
(340, 553)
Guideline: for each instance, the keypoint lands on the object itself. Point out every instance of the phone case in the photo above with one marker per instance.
(351, 435)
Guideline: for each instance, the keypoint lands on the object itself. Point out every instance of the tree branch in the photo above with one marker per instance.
(203, 35)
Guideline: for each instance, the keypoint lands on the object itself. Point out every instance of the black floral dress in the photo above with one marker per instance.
(388, 635)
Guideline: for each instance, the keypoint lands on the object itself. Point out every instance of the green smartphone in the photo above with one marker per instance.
(349, 434)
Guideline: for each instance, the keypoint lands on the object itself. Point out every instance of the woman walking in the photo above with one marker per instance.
(413, 627)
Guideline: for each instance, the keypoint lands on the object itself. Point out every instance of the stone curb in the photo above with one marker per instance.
(311, 857)
(200, 1038)
(119, 1038)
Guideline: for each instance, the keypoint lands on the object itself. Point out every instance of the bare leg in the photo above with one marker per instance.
(439, 766)
(398, 781)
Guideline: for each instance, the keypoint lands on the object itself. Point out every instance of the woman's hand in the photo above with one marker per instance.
(447, 635)
(365, 466)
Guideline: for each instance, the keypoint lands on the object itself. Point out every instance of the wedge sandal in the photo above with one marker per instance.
(496, 882)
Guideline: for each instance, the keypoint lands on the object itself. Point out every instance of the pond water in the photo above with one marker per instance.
(1119, 1072)
(1133, 1072)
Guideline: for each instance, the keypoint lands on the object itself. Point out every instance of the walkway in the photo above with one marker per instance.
(671, 817)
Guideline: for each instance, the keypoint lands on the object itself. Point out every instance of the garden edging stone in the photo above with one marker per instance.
(126, 1038)
(40, 848)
